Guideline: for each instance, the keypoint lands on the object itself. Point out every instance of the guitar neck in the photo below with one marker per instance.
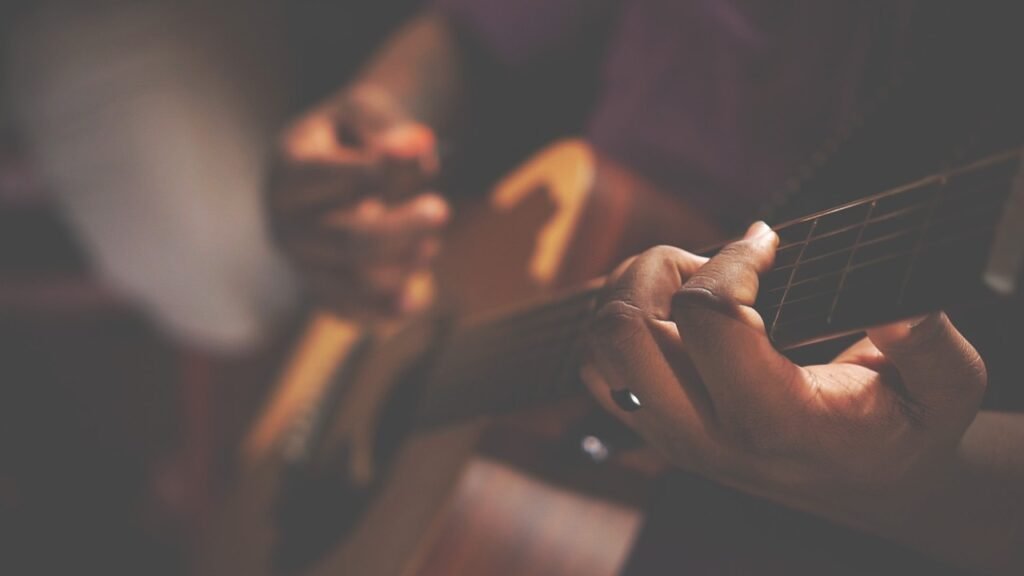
(903, 252)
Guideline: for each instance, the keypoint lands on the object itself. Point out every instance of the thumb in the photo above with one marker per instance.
(939, 367)
(410, 159)
(406, 141)
(429, 208)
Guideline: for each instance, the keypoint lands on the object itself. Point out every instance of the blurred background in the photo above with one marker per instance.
(145, 309)
(130, 359)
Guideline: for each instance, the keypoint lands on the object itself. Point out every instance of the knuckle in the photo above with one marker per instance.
(296, 141)
(978, 372)
(700, 293)
(616, 323)
(968, 384)
(662, 253)
(741, 250)
(658, 257)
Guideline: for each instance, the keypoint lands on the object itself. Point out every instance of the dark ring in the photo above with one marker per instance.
(626, 400)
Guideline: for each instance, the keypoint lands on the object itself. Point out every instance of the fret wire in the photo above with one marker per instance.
(938, 178)
(846, 268)
(885, 258)
(583, 298)
(880, 239)
(871, 242)
(533, 329)
(789, 281)
(919, 244)
(829, 234)
(520, 322)
(882, 218)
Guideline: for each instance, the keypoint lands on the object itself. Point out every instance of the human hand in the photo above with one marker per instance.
(680, 333)
(348, 204)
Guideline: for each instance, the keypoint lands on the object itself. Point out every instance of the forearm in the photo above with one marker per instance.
(974, 515)
(421, 68)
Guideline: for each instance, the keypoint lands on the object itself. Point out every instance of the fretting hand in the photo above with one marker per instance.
(868, 429)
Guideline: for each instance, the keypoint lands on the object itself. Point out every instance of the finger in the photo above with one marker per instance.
(383, 268)
(318, 170)
(938, 366)
(427, 212)
(675, 410)
(407, 141)
(600, 390)
(726, 338)
(649, 281)
(349, 294)
(308, 188)
(375, 232)
(632, 344)
(409, 158)
(645, 357)
(863, 353)
(314, 139)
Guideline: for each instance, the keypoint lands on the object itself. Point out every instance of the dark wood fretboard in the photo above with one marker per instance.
(903, 252)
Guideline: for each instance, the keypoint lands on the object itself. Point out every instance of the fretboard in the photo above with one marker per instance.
(903, 252)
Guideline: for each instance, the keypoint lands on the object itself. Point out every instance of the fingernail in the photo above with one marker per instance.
(762, 234)
(408, 140)
(433, 208)
(756, 229)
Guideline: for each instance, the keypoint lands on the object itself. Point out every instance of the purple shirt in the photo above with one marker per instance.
(722, 100)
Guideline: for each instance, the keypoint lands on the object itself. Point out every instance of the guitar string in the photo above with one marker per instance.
(874, 241)
(538, 336)
(534, 325)
(550, 384)
(831, 233)
(1006, 159)
(557, 341)
(922, 204)
(543, 311)
(466, 379)
(559, 380)
(880, 260)
(846, 267)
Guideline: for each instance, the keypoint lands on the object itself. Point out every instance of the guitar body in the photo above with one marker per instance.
(484, 496)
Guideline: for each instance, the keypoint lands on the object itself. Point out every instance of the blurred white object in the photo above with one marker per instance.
(1006, 259)
(151, 123)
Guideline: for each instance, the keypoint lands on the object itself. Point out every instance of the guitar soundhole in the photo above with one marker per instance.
(318, 505)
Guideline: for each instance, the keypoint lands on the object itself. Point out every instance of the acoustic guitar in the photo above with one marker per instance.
(566, 215)
(379, 452)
